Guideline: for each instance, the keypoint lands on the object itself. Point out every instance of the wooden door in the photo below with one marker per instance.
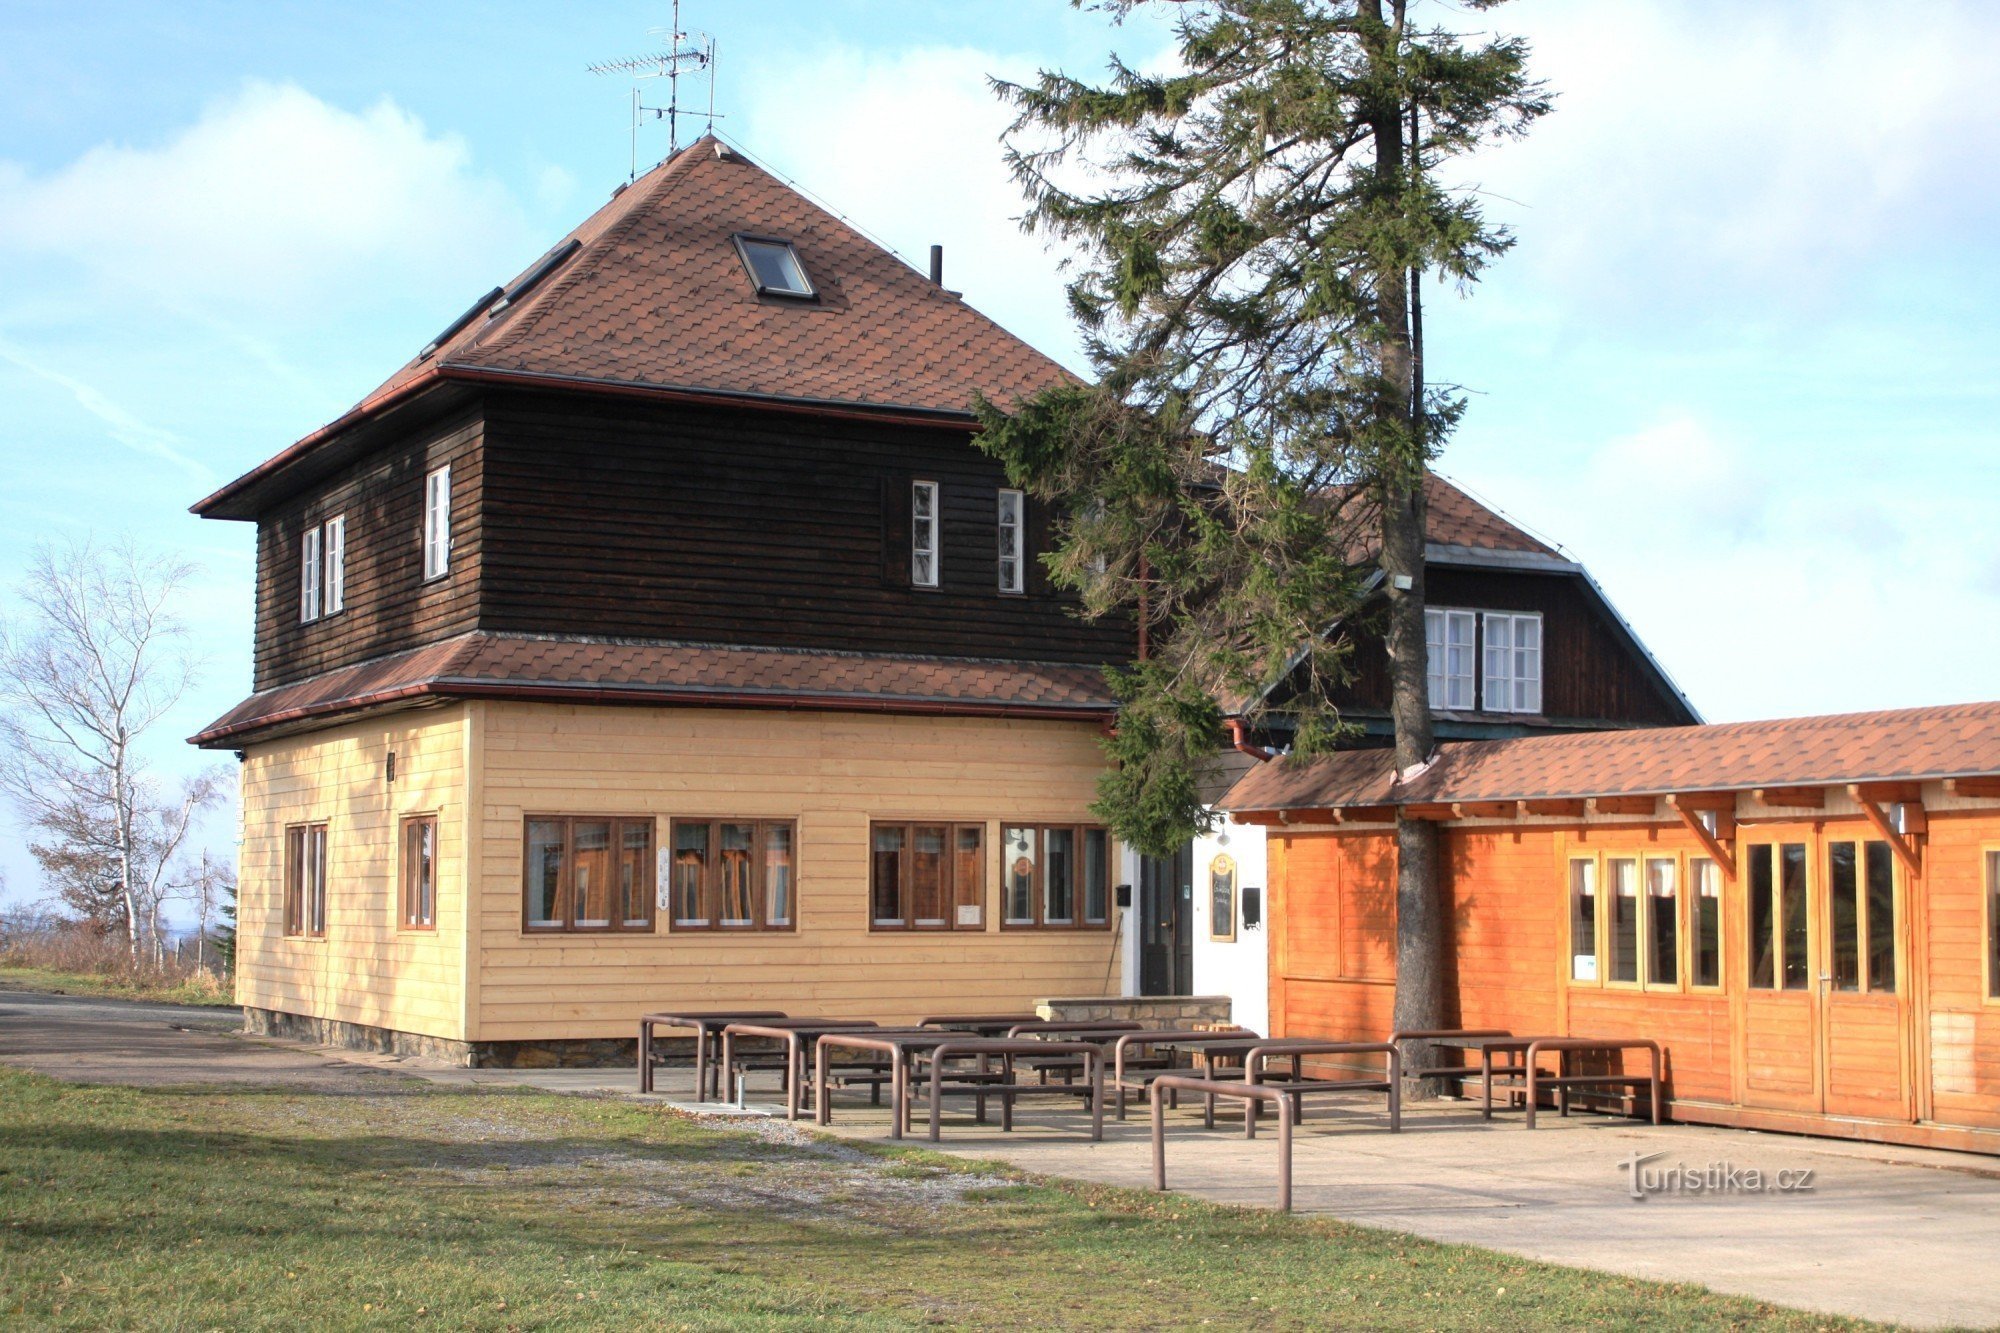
(1863, 979)
(1166, 930)
(1781, 1002)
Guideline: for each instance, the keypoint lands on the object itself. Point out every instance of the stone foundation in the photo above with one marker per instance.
(1155, 1011)
(578, 1053)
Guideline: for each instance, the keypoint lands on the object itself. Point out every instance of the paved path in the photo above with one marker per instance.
(1903, 1235)
(90, 1040)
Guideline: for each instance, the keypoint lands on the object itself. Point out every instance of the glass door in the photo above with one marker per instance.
(1781, 997)
(1862, 1016)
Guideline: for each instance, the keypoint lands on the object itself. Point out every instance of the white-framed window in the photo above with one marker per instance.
(924, 534)
(1448, 647)
(334, 596)
(1013, 575)
(309, 575)
(437, 523)
(1513, 662)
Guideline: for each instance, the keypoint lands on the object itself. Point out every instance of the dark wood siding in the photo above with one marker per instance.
(1590, 674)
(702, 524)
(389, 606)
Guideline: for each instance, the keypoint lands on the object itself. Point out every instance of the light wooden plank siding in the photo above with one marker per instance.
(833, 773)
(1963, 1024)
(1928, 1053)
(367, 969)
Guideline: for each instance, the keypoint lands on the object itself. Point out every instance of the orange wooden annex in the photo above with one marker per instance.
(1805, 913)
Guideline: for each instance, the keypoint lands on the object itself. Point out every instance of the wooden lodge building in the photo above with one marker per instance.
(657, 636)
(1805, 913)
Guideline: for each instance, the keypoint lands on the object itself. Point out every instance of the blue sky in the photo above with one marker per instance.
(1741, 362)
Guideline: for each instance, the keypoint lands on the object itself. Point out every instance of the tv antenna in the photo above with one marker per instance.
(687, 53)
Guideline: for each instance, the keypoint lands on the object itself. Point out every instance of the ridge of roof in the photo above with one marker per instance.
(1905, 744)
(655, 298)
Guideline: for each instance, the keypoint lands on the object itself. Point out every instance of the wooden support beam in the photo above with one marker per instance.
(1704, 800)
(1485, 809)
(1887, 793)
(1803, 798)
(1439, 810)
(1292, 817)
(1905, 850)
(1567, 807)
(1369, 814)
(1623, 805)
(1719, 844)
(1985, 789)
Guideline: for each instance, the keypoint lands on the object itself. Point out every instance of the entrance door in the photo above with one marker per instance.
(1863, 1020)
(1781, 997)
(1826, 1028)
(1166, 931)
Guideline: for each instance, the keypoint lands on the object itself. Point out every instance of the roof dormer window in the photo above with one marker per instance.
(774, 266)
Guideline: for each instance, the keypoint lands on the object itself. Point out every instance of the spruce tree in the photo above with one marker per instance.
(1246, 472)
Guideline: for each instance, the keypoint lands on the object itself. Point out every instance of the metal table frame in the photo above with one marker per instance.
(793, 1032)
(704, 1024)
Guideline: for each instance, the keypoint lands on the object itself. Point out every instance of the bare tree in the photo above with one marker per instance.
(209, 886)
(93, 660)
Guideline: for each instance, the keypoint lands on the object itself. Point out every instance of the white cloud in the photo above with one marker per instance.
(1702, 154)
(274, 204)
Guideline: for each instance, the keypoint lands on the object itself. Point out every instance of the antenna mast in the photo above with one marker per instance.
(692, 53)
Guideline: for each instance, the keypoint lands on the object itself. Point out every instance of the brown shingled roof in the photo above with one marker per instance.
(482, 665)
(1904, 745)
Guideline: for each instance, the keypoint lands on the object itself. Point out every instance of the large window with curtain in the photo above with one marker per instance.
(925, 876)
(734, 875)
(587, 874)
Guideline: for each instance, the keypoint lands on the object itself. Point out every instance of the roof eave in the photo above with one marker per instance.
(314, 716)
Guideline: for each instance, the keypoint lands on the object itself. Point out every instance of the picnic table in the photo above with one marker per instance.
(1298, 1087)
(1008, 1049)
(705, 1023)
(1134, 1074)
(1518, 1059)
(796, 1034)
(985, 1025)
(901, 1046)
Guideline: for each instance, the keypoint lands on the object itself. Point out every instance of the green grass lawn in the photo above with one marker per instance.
(209, 1208)
(122, 988)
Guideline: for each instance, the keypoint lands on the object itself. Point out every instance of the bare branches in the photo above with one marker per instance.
(89, 666)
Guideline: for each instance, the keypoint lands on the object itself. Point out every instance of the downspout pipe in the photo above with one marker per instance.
(1243, 746)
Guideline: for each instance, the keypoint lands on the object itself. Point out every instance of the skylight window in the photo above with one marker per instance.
(774, 266)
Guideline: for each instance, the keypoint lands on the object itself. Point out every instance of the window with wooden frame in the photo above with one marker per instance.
(1660, 927)
(437, 523)
(1583, 946)
(1861, 898)
(1222, 898)
(1449, 653)
(419, 872)
(1621, 920)
(1010, 511)
(1993, 923)
(926, 876)
(334, 561)
(587, 874)
(1778, 927)
(309, 574)
(925, 556)
(305, 881)
(1513, 676)
(1704, 924)
(1055, 877)
(734, 875)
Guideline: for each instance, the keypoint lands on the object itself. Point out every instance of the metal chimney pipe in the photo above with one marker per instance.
(937, 265)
